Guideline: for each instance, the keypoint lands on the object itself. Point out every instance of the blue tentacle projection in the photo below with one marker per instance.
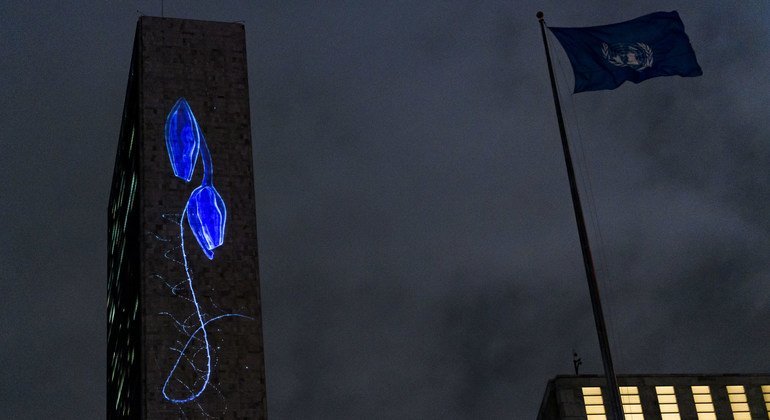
(201, 329)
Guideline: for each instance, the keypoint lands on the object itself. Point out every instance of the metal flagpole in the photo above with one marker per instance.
(616, 408)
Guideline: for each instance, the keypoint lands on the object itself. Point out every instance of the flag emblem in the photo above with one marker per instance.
(638, 56)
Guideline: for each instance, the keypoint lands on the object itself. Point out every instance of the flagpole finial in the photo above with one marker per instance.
(539, 15)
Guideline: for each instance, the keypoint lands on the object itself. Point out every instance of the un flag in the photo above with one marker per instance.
(603, 57)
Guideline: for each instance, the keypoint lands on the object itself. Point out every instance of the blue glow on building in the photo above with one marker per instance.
(183, 139)
(206, 215)
(207, 210)
(200, 329)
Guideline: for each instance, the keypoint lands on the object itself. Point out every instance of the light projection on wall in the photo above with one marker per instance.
(206, 210)
(206, 215)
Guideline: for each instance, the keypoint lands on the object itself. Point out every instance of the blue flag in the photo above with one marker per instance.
(603, 57)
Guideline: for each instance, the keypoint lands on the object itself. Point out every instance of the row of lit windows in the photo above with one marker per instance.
(116, 232)
(632, 405)
(119, 199)
(704, 406)
(766, 395)
(738, 402)
(122, 323)
(669, 409)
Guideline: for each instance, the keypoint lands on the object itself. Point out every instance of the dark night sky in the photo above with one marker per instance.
(419, 257)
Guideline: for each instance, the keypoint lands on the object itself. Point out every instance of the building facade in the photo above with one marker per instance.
(183, 306)
(654, 397)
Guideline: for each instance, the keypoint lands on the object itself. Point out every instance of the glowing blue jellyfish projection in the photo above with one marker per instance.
(206, 210)
(183, 139)
(206, 214)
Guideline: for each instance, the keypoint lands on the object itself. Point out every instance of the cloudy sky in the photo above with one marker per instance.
(419, 256)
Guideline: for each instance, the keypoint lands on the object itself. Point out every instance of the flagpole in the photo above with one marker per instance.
(616, 408)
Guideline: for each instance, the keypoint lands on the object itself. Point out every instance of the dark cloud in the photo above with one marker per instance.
(418, 251)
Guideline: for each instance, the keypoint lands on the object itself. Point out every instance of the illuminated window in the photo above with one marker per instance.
(766, 395)
(632, 405)
(669, 410)
(738, 402)
(594, 404)
(703, 404)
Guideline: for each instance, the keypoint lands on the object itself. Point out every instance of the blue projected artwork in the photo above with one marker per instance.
(207, 211)
(206, 216)
(183, 139)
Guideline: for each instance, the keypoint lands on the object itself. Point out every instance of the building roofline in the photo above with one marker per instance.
(149, 17)
(664, 375)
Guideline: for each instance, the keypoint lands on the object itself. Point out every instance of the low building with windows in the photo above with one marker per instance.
(666, 397)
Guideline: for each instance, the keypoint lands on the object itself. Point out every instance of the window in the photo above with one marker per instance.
(766, 395)
(594, 404)
(632, 405)
(738, 402)
(669, 410)
(703, 404)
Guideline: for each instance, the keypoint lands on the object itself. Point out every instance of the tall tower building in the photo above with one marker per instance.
(183, 305)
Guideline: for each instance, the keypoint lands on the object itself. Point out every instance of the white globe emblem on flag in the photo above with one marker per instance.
(638, 55)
